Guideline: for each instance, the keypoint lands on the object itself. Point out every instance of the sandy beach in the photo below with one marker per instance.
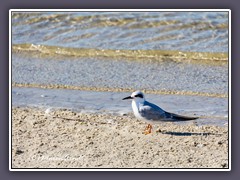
(66, 139)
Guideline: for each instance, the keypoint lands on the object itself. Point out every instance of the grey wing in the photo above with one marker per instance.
(151, 111)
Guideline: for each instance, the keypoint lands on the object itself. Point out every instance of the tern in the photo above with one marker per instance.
(149, 112)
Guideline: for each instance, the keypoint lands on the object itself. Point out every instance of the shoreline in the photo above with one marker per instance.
(101, 89)
(67, 139)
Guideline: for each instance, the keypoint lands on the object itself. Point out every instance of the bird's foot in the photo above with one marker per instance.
(148, 129)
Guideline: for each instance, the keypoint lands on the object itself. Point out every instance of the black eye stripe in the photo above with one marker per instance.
(139, 95)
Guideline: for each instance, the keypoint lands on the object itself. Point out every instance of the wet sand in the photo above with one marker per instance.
(66, 139)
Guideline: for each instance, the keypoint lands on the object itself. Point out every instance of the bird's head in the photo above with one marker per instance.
(137, 96)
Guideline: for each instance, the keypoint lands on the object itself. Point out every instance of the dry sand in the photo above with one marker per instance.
(66, 139)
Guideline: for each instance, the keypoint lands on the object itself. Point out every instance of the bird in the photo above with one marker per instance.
(150, 113)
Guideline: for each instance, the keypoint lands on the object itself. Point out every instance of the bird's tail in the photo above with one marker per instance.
(179, 117)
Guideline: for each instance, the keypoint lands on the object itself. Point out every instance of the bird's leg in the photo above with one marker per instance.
(148, 129)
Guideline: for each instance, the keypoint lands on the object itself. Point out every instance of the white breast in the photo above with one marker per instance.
(135, 107)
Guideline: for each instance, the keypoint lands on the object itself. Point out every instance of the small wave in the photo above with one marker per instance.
(159, 55)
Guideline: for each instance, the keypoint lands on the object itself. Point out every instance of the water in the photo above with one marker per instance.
(199, 32)
(186, 78)
(181, 53)
(111, 102)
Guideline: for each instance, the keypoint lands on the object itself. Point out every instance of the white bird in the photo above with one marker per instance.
(144, 110)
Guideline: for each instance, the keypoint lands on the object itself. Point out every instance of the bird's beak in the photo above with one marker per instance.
(129, 97)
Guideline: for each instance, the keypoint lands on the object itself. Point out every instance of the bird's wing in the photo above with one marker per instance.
(151, 111)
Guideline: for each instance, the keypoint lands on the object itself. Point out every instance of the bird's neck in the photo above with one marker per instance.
(136, 103)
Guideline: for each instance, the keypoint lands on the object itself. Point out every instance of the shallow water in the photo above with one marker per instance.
(183, 31)
(113, 73)
(110, 34)
(184, 53)
(210, 110)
